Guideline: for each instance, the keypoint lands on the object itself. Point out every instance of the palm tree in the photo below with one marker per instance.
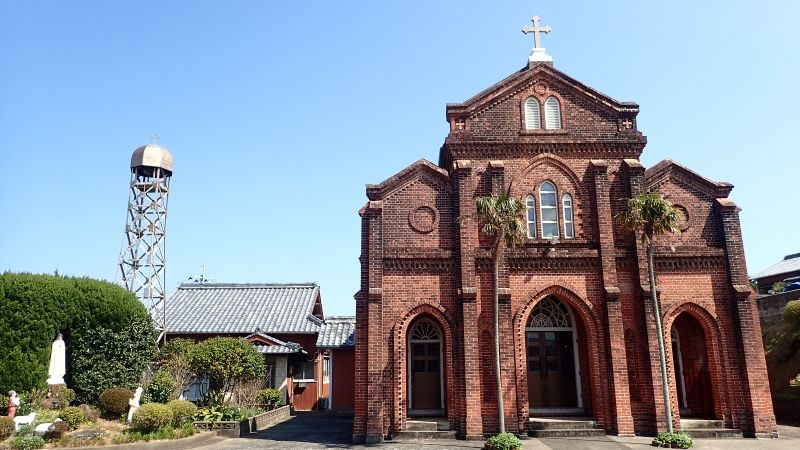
(651, 214)
(501, 218)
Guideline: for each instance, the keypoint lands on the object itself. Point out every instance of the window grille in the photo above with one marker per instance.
(532, 118)
(552, 114)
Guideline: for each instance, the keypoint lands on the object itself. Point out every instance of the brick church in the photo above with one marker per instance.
(577, 331)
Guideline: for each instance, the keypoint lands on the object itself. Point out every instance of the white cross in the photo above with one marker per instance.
(536, 29)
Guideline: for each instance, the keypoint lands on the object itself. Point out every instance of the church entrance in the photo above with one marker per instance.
(425, 374)
(552, 359)
(690, 363)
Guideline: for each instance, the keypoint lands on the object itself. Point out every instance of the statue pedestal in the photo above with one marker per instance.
(54, 381)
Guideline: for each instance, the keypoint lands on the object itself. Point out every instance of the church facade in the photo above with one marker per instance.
(577, 331)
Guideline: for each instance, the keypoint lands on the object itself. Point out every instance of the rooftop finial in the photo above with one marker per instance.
(154, 137)
(538, 54)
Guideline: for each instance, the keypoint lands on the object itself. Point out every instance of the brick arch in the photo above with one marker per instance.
(710, 325)
(565, 180)
(400, 356)
(545, 159)
(587, 315)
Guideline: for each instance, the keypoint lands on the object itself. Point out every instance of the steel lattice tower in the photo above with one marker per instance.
(143, 258)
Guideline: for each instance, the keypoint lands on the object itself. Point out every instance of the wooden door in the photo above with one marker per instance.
(426, 375)
(551, 369)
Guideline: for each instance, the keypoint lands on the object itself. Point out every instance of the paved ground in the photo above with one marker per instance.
(320, 430)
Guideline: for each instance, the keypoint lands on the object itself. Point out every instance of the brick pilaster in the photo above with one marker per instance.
(376, 338)
(760, 419)
(619, 397)
(472, 424)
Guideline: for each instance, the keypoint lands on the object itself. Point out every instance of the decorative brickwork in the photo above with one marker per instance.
(423, 256)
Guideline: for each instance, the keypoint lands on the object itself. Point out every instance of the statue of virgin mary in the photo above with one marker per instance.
(58, 364)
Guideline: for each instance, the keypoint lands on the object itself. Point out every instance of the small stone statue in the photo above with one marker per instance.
(58, 363)
(134, 403)
(13, 403)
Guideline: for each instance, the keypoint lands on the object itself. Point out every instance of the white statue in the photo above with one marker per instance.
(13, 404)
(58, 364)
(134, 403)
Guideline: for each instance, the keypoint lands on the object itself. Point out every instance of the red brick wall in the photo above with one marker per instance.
(343, 379)
(434, 265)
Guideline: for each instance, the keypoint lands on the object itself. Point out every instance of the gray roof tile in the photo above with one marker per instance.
(243, 308)
(337, 332)
(789, 264)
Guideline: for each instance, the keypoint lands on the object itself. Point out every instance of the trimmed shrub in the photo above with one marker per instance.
(90, 412)
(182, 411)
(26, 442)
(504, 441)
(152, 417)
(37, 307)
(114, 402)
(73, 415)
(161, 388)
(56, 431)
(6, 427)
(791, 314)
(3, 404)
(672, 440)
(269, 398)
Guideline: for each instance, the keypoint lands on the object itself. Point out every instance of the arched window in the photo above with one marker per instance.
(532, 116)
(530, 205)
(552, 114)
(569, 228)
(548, 207)
(549, 313)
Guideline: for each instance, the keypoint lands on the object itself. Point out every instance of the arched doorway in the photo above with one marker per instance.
(425, 369)
(690, 358)
(552, 358)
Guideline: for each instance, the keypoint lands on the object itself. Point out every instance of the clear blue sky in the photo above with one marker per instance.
(278, 114)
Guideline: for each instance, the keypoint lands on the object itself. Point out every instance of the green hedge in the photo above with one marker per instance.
(34, 308)
(791, 314)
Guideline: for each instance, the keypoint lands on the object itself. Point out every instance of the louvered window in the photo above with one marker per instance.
(532, 119)
(548, 206)
(552, 114)
(569, 228)
(530, 205)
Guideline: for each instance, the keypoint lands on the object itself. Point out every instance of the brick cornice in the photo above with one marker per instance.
(419, 264)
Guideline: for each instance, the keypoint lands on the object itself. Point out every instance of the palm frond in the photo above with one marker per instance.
(650, 214)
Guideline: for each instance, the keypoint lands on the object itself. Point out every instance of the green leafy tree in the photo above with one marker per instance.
(501, 218)
(651, 215)
(778, 286)
(226, 361)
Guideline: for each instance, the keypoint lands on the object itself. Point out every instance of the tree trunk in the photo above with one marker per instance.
(495, 283)
(662, 359)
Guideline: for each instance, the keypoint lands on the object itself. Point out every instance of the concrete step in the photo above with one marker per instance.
(422, 425)
(727, 433)
(563, 433)
(560, 423)
(410, 435)
(688, 424)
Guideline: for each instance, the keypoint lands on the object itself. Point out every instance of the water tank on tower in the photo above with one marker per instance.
(143, 258)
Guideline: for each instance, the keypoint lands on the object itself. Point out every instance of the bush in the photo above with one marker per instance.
(779, 286)
(226, 361)
(103, 358)
(791, 314)
(161, 388)
(67, 396)
(182, 411)
(56, 431)
(674, 440)
(504, 441)
(27, 442)
(114, 402)
(152, 417)
(73, 415)
(269, 398)
(6, 427)
(37, 307)
(90, 412)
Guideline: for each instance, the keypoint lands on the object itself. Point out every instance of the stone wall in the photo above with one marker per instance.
(770, 307)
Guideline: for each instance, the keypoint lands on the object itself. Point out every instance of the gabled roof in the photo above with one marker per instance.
(219, 308)
(423, 166)
(667, 167)
(271, 345)
(520, 78)
(789, 264)
(337, 332)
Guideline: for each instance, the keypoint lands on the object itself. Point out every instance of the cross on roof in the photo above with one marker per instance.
(154, 138)
(536, 29)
